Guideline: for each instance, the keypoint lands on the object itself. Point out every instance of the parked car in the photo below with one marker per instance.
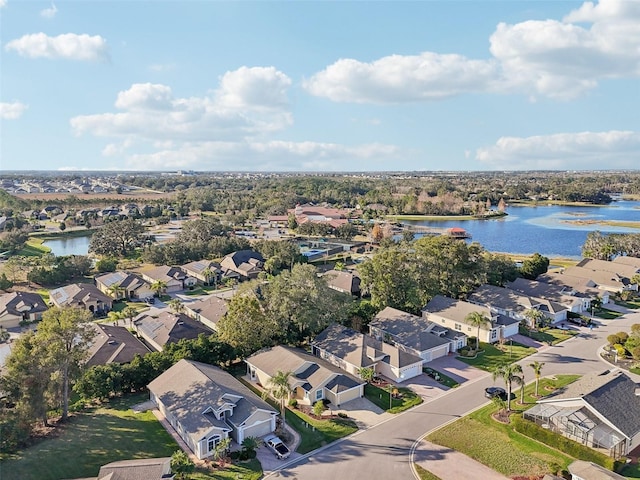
(277, 446)
(491, 392)
(578, 321)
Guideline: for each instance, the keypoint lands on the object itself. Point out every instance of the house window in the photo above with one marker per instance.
(458, 326)
(494, 334)
(212, 442)
(468, 329)
(319, 394)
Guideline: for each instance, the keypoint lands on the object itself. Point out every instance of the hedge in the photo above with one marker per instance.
(565, 445)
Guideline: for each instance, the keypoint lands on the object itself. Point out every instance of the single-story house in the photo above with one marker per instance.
(513, 304)
(351, 351)
(573, 285)
(205, 272)
(600, 410)
(174, 278)
(205, 405)
(627, 260)
(113, 344)
(450, 313)
(573, 301)
(625, 268)
(604, 280)
(138, 469)
(82, 295)
(581, 470)
(208, 310)
(415, 335)
(246, 263)
(121, 285)
(168, 327)
(345, 282)
(312, 378)
(18, 306)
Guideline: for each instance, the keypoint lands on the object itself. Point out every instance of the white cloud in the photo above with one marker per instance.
(68, 46)
(554, 58)
(49, 12)
(254, 87)
(3, 3)
(575, 151)
(12, 111)
(162, 67)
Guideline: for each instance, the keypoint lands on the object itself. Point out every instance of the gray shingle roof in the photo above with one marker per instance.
(113, 344)
(16, 303)
(139, 469)
(169, 327)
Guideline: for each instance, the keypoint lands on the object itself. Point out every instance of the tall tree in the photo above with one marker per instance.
(117, 238)
(510, 373)
(534, 316)
(176, 305)
(67, 337)
(477, 319)
(280, 389)
(158, 287)
(245, 326)
(537, 371)
(534, 266)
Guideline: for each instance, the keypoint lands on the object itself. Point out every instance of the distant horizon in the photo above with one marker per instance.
(281, 86)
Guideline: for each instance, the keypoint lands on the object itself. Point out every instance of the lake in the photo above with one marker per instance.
(68, 245)
(543, 229)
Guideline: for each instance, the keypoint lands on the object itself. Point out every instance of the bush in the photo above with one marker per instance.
(620, 350)
(613, 339)
(343, 415)
(293, 403)
(463, 351)
(623, 336)
(555, 440)
(235, 455)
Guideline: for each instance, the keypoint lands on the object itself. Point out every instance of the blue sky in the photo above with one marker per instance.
(319, 86)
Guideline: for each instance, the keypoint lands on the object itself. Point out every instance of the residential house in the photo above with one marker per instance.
(573, 285)
(167, 327)
(626, 267)
(308, 213)
(515, 305)
(205, 272)
(343, 281)
(603, 279)
(415, 335)
(312, 378)
(16, 307)
(205, 405)
(573, 301)
(208, 311)
(581, 470)
(113, 344)
(627, 260)
(174, 278)
(82, 295)
(600, 410)
(450, 313)
(121, 285)
(246, 264)
(351, 351)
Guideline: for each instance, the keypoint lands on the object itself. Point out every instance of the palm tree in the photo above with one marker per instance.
(537, 371)
(130, 313)
(366, 373)
(159, 287)
(176, 305)
(278, 387)
(477, 319)
(116, 291)
(509, 373)
(534, 316)
(208, 275)
(115, 317)
(221, 449)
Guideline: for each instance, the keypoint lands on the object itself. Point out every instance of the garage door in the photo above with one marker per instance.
(258, 430)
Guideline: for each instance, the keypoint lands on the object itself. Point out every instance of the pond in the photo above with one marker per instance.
(68, 245)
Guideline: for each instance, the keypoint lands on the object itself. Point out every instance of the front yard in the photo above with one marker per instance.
(384, 398)
(491, 356)
(550, 336)
(498, 445)
(317, 433)
(607, 314)
(102, 435)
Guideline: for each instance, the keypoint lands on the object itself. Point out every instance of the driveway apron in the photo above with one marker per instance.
(448, 464)
(457, 370)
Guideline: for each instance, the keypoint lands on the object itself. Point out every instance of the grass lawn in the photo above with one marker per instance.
(249, 470)
(630, 304)
(89, 440)
(380, 397)
(195, 291)
(33, 248)
(317, 433)
(607, 314)
(442, 378)
(549, 335)
(120, 306)
(425, 474)
(493, 356)
(497, 445)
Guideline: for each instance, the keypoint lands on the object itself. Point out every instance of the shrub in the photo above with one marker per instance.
(343, 415)
(623, 336)
(620, 350)
(293, 403)
(613, 339)
(555, 440)
(635, 353)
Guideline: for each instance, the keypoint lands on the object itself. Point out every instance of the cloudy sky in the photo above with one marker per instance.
(319, 86)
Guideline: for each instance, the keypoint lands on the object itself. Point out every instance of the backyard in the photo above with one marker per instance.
(491, 356)
(102, 435)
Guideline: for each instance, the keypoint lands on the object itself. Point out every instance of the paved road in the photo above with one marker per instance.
(384, 451)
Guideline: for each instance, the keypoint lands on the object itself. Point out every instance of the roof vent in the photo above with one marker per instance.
(637, 392)
(180, 323)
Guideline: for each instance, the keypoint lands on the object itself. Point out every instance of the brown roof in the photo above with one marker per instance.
(169, 327)
(78, 294)
(139, 469)
(113, 344)
(211, 308)
(16, 303)
(343, 281)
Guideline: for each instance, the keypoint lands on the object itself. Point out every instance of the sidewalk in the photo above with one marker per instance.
(448, 464)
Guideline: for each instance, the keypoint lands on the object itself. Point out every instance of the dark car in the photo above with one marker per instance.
(492, 392)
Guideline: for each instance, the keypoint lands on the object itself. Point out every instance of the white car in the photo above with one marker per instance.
(277, 446)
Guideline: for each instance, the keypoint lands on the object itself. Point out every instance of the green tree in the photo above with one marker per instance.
(176, 305)
(279, 388)
(534, 316)
(510, 373)
(366, 373)
(130, 313)
(117, 237)
(115, 317)
(117, 292)
(221, 449)
(67, 337)
(107, 264)
(182, 465)
(478, 320)
(537, 372)
(318, 408)
(249, 446)
(534, 266)
(5, 284)
(158, 287)
(245, 326)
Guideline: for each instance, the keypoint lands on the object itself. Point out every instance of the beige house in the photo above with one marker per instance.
(82, 295)
(572, 300)
(312, 378)
(205, 272)
(573, 285)
(113, 344)
(246, 264)
(167, 327)
(174, 278)
(16, 307)
(208, 311)
(120, 285)
(205, 405)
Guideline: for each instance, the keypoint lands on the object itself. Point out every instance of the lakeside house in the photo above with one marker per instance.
(113, 344)
(82, 295)
(16, 307)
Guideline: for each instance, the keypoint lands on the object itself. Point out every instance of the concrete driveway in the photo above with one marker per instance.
(425, 386)
(457, 370)
(270, 463)
(362, 411)
(448, 464)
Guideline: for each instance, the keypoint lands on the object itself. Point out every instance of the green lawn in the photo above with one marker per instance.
(425, 474)
(317, 433)
(549, 335)
(380, 397)
(497, 445)
(120, 306)
(630, 304)
(442, 378)
(88, 441)
(492, 356)
(33, 248)
(607, 314)
(249, 470)
(195, 291)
